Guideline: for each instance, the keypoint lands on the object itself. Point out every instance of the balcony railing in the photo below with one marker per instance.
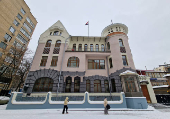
(122, 49)
(86, 50)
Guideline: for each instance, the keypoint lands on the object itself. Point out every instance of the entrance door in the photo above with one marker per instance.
(146, 93)
(97, 86)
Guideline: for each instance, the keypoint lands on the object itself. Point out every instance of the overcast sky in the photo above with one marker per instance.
(148, 22)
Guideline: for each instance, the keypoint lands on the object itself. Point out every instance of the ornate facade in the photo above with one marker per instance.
(72, 64)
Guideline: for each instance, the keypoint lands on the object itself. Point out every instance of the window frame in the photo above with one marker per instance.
(110, 62)
(23, 11)
(8, 37)
(97, 47)
(56, 33)
(91, 47)
(19, 17)
(97, 64)
(54, 61)
(43, 61)
(80, 47)
(71, 61)
(125, 60)
(12, 28)
(121, 43)
(16, 22)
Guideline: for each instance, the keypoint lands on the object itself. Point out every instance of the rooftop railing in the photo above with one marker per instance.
(87, 50)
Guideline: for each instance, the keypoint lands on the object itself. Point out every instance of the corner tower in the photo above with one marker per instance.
(117, 42)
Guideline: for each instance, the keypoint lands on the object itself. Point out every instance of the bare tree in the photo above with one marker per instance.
(11, 64)
(24, 68)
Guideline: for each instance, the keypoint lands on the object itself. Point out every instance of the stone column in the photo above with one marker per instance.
(92, 86)
(72, 85)
(82, 86)
(102, 86)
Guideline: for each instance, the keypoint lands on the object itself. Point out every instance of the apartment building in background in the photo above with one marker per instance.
(17, 25)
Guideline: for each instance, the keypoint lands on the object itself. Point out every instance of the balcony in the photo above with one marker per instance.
(87, 50)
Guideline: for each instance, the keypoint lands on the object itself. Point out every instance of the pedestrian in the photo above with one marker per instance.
(105, 106)
(65, 105)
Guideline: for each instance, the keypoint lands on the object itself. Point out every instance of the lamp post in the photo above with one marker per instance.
(62, 64)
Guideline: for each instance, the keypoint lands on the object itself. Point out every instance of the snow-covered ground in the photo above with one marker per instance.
(57, 114)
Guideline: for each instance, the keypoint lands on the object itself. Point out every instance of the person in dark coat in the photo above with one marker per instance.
(65, 105)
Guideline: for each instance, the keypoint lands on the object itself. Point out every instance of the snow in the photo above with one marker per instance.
(166, 75)
(82, 114)
(128, 72)
(162, 86)
(4, 98)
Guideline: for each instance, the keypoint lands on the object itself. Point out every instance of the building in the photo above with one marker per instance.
(147, 89)
(100, 64)
(160, 82)
(84, 69)
(164, 68)
(17, 25)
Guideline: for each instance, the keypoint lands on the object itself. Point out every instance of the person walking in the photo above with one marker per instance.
(65, 105)
(105, 106)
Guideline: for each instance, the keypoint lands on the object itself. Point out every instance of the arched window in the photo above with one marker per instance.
(97, 86)
(68, 84)
(110, 61)
(102, 47)
(121, 42)
(91, 47)
(56, 33)
(97, 47)
(58, 43)
(108, 46)
(85, 47)
(47, 47)
(43, 85)
(74, 47)
(48, 43)
(80, 47)
(73, 62)
(57, 47)
(88, 85)
(106, 85)
(77, 84)
(113, 85)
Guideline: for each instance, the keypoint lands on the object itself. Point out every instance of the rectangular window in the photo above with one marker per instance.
(30, 22)
(22, 39)
(22, 11)
(12, 29)
(25, 33)
(43, 60)
(7, 37)
(19, 17)
(54, 61)
(124, 60)
(27, 27)
(96, 64)
(3, 45)
(16, 22)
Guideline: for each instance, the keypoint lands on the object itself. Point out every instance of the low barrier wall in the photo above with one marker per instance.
(76, 100)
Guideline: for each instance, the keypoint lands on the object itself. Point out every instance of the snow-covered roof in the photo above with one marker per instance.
(167, 75)
(128, 72)
(162, 86)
